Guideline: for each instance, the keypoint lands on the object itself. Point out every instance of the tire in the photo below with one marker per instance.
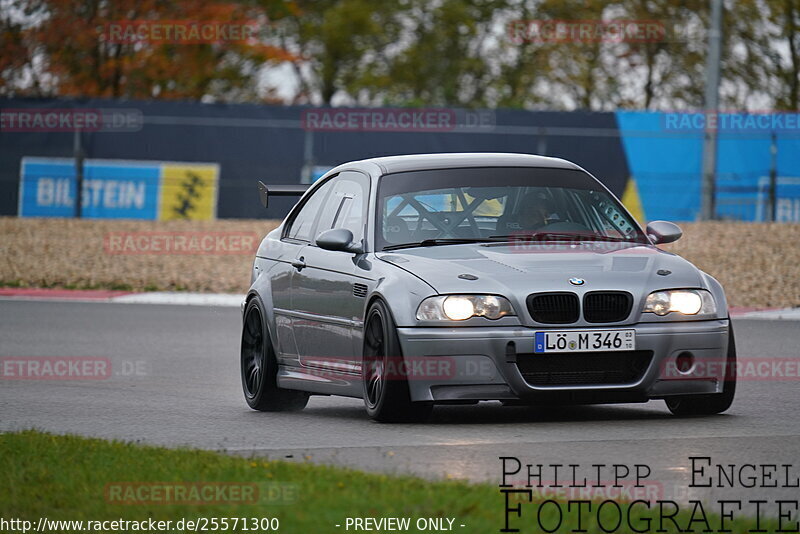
(716, 402)
(386, 398)
(259, 367)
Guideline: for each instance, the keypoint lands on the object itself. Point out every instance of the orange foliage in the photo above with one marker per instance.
(74, 39)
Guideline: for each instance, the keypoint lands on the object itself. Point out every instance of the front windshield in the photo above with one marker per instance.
(498, 203)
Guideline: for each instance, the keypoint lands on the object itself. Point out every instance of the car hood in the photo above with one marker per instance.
(520, 269)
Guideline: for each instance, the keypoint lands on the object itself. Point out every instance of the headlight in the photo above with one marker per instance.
(683, 301)
(461, 307)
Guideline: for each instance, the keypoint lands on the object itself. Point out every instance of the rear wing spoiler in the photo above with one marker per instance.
(264, 191)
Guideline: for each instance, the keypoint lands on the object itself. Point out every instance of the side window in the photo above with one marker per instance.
(346, 207)
(303, 223)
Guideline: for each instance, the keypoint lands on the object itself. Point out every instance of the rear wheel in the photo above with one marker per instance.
(386, 394)
(716, 402)
(259, 367)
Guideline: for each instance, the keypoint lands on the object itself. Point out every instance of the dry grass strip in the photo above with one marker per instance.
(759, 264)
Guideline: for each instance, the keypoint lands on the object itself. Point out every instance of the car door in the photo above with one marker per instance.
(296, 236)
(328, 293)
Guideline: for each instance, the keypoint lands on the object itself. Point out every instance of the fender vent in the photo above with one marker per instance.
(360, 290)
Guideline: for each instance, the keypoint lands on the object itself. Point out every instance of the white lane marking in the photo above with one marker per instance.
(175, 297)
(786, 314)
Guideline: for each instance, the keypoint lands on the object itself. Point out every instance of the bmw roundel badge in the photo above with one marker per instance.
(577, 281)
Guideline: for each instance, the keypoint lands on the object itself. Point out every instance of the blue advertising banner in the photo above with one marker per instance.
(116, 189)
(665, 158)
(111, 189)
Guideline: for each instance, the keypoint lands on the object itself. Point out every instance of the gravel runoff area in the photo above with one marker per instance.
(759, 264)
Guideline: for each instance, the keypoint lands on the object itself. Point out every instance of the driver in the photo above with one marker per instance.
(533, 212)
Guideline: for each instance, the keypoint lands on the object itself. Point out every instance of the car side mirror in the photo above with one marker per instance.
(338, 239)
(661, 232)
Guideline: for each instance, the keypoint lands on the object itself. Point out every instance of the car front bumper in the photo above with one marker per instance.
(486, 363)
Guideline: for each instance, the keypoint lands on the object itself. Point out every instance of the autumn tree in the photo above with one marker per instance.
(774, 42)
(448, 60)
(68, 43)
(338, 45)
(407, 52)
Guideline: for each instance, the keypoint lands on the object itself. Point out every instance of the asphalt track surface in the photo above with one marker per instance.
(175, 382)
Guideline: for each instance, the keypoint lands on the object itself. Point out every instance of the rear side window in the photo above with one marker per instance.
(346, 207)
(303, 223)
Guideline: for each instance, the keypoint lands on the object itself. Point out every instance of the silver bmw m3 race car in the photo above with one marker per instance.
(411, 281)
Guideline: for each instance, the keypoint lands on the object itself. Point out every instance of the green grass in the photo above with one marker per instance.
(66, 477)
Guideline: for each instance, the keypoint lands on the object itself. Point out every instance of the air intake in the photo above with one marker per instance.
(606, 306)
(359, 290)
(554, 308)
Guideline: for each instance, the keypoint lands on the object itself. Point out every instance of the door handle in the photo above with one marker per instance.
(299, 263)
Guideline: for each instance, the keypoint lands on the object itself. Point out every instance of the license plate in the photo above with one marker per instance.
(584, 341)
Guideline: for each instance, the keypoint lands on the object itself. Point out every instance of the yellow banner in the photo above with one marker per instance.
(188, 191)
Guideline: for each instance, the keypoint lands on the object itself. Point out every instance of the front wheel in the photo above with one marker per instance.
(716, 402)
(259, 366)
(386, 394)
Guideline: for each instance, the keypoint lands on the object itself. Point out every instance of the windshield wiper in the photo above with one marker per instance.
(440, 241)
(558, 236)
